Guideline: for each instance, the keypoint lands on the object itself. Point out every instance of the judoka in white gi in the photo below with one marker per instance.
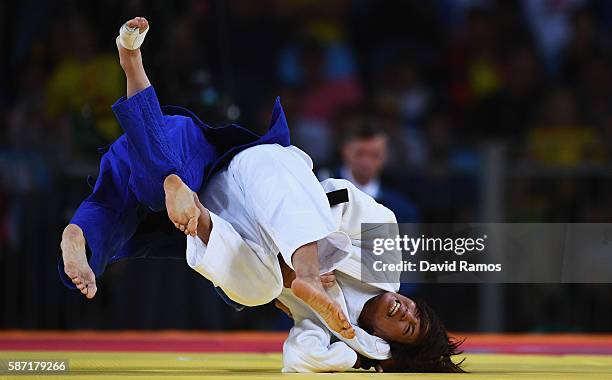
(236, 251)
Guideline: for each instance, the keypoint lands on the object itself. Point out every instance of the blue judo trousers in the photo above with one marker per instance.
(158, 141)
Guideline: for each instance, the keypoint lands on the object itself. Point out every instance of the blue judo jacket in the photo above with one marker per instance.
(158, 141)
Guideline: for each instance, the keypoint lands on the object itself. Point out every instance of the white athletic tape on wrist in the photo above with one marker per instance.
(131, 38)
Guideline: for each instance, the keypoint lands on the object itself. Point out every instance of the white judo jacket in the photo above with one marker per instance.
(250, 275)
(311, 345)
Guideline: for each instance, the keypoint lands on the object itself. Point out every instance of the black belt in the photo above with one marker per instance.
(337, 196)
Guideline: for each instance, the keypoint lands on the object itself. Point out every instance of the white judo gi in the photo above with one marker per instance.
(268, 201)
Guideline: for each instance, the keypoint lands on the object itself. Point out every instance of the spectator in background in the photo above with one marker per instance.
(586, 68)
(320, 69)
(448, 187)
(511, 109)
(474, 58)
(364, 154)
(560, 137)
(550, 24)
(179, 63)
(402, 99)
(25, 121)
(80, 89)
(594, 90)
(584, 43)
(402, 84)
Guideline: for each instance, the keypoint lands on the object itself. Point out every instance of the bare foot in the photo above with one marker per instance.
(313, 294)
(75, 261)
(181, 205)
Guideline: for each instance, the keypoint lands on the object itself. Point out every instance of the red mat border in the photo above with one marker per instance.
(262, 342)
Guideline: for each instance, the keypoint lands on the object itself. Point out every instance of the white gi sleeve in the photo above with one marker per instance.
(362, 208)
(308, 349)
(240, 267)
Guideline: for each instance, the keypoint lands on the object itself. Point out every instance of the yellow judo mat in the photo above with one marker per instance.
(222, 366)
(256, 355)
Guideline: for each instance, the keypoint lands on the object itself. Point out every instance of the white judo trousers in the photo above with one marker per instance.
(268, 201)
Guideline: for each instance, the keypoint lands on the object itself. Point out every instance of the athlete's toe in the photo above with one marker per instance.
(348, 333)
(92, 289)
(133, 23)
(192, 226)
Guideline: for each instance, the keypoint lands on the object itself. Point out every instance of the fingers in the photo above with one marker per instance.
(379, 368)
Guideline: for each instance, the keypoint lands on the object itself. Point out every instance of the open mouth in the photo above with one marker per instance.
(394, 308)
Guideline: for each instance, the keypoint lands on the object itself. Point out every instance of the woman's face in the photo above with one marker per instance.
(393, 317)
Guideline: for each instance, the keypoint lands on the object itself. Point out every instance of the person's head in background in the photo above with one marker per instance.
(364, 151)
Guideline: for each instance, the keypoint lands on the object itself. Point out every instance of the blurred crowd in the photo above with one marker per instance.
(410, 100)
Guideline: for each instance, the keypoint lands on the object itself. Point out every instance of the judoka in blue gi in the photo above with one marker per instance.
(163, 158)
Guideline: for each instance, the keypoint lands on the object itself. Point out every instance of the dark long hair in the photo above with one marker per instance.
(432, 353)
